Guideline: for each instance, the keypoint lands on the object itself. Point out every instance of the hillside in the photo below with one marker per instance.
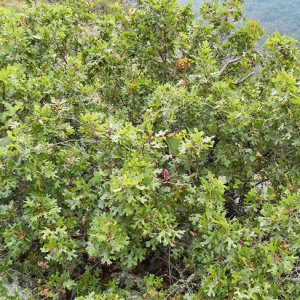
(282, 15)
(275, 15)
(11, 3)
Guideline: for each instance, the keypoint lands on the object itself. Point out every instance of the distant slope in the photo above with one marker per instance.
(274, 15)
(11, 3)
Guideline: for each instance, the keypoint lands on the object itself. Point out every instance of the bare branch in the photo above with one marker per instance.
(181, 285)
(224, 68)
(238, 82)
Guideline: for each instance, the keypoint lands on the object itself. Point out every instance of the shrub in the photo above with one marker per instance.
(149, 142)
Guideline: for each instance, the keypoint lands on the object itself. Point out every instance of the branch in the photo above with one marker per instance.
(224, 68)
(181, 285)
(238, 82)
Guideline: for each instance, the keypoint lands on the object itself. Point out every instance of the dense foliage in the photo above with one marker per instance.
(145, 153)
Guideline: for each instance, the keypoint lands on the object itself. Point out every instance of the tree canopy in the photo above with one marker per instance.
(148, 154)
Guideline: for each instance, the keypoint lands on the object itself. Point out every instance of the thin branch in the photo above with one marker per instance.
(181, 285)
(169, 266)
(238, 82)
(224, 68)
(180, 272)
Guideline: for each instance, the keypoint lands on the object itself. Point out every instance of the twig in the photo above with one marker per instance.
(224, 68)
(238, 82)
(169, 265)
(181, 285)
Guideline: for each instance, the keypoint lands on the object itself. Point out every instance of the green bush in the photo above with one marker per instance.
(149, 145)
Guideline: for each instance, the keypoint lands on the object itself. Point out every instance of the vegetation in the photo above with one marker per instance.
(146, 154)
